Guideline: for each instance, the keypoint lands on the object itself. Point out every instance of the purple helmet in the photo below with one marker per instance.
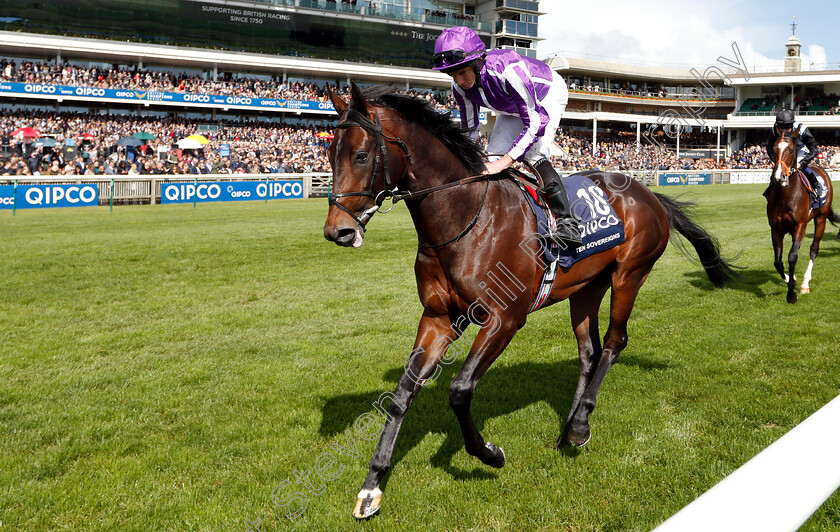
(457, 47)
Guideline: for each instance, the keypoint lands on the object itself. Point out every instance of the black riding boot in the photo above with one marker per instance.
(554, 194)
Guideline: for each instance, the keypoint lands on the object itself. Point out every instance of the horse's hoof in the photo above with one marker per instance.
(497, 455)
(805, 290)
(580, 438)
(367, 503)
(792, 298)
(562, 444)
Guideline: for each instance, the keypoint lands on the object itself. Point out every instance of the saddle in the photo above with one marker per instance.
(817, 197)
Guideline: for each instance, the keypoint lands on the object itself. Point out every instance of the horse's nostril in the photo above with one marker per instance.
(346, 236)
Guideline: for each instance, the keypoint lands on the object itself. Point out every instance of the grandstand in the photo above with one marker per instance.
(91, 72)
(214, 65)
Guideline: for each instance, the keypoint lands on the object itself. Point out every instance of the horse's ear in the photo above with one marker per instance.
(337, 101)
(795, 132)
(357, 100)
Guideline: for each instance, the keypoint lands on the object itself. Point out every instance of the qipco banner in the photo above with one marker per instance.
(43, 196)
(232, 191)
(685, 179)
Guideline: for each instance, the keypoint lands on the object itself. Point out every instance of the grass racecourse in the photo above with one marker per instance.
(171, 368)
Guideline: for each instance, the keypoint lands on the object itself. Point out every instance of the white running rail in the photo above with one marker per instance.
(778, 489)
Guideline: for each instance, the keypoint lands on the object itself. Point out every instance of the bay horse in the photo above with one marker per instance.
(478, 259)
(789, 211)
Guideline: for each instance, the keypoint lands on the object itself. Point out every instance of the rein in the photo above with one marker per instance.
(391, 191)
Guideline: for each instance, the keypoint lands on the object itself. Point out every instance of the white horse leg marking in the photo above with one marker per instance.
(806, 289)
(782, 147)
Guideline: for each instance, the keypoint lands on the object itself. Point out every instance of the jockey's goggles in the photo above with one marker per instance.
(449, 57)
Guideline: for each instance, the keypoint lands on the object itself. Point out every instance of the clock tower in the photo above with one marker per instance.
(793, 59)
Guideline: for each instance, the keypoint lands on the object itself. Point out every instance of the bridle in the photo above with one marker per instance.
(786, 170)
(391, 190)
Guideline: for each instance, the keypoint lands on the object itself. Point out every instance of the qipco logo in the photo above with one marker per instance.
(292, 189)
(54, 195)
(238, 193)
(186, 192)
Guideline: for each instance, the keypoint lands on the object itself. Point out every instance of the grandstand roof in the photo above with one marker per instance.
(30, 44)
(607, 67)
(787, 78)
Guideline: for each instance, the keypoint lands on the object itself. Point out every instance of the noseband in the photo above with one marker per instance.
(787, 171)
(390, 190)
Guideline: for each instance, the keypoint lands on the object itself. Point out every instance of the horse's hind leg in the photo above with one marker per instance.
(584, 312)
(488, 345)
(625, 288)
(819, 230)
(434, 336)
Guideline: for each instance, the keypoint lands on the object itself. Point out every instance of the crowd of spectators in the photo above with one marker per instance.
(279, 148)
(815, 100)
(625, 90)
(168, 81)
(271, 147)
(618, 151)
(253, 147)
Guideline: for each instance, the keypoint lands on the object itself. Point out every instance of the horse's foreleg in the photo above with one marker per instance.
(778, 238)
(434, 336)
(488, 345)
(819, 230)
(584, 312)
(793, 256)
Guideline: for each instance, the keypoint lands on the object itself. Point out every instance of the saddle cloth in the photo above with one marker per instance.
(818, 198)
(600, 228)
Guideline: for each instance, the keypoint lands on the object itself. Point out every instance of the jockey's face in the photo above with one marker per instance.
(465, 77)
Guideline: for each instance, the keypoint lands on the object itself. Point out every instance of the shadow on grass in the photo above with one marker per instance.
(755, 281)
(502, 391)
(750, 281)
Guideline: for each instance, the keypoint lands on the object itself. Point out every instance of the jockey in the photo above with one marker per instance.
(806, 146)
(529, 98)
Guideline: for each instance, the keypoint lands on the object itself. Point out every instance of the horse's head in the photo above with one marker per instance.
(363, 169)
(784, 152)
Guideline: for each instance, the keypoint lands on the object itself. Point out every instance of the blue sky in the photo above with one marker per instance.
(696, 33)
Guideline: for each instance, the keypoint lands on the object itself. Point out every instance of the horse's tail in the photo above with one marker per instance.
(720, 271)
(833, 217)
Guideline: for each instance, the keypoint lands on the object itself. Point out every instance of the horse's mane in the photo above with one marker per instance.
(440, 124)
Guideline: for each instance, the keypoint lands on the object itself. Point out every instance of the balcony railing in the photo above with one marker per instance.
(519, 5)
(692, 95)
(825, 112)
(527, 52)
(515, 27)
(366, 8)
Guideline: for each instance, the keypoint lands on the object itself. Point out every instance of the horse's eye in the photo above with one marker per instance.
(361, 157)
